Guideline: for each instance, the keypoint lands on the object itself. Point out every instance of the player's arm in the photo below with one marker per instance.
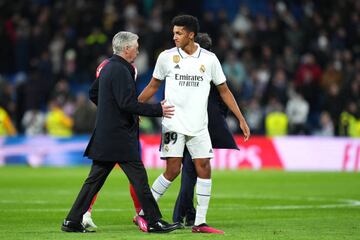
(160, 72)
(149, 90)
(125, 95)
(230, 102)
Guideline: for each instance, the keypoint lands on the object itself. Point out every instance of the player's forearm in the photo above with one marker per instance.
(230, 102)
(147, 93)
(149, 90)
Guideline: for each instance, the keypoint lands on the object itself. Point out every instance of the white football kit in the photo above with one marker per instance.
(187, 87)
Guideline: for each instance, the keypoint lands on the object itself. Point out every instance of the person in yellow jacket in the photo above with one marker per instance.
(58, 124)
(6, 126)
(349, 123)
(276, 124)
(276, 121)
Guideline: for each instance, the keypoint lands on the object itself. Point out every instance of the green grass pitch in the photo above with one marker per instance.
(245, 204)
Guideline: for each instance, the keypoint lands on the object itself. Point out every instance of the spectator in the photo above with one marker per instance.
(56, 48)
(33, 122)
(255, 116)
(307, 79)
(6, 126)
(58, 124)
(331, 76)
(326, 125)
(61, 92)
(349, 121)
(6, 92)
(44, 44)
(297, 110)
(276, 121)
(242, 22)
(234, 71)
(84, 115)
(333, 104)
(277, 87)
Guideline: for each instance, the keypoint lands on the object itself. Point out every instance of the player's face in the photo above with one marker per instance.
(181, 36)
(132, 51)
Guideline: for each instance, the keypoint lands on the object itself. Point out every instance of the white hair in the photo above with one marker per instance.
(121, 40)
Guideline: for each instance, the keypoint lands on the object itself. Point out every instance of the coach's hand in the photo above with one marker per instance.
(168, 110)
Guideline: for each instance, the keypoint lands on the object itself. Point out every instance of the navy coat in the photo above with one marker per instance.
(115, 137)
(220, 134)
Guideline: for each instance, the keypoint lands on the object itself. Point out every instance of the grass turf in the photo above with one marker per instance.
(245, 204)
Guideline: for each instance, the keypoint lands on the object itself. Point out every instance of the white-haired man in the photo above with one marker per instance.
(115, 138)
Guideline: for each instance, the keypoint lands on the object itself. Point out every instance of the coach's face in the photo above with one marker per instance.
(132, 51)
(182, 37)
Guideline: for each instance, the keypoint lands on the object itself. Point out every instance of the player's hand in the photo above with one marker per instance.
(168, 110)
(245, 129)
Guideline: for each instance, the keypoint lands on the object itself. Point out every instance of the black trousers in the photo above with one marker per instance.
(137, 176)
(184, 206)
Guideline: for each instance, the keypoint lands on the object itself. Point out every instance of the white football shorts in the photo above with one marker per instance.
(173, 144)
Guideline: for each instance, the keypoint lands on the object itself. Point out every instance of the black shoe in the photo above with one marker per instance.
(189, 222)
(190, 217)
(161, 226)
(179, 225)
(71, 226)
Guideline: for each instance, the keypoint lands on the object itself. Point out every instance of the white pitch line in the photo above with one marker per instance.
(343, 203)
(57, 192)
(4, 201)
(293, 207)
(61, 210)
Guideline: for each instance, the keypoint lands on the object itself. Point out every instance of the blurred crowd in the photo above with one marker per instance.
(293, 66)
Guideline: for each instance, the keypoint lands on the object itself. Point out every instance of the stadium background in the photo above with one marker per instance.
(293, 67)
(269, 50)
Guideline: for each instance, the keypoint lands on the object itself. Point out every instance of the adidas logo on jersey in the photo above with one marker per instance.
(177, 66)
(210, 151)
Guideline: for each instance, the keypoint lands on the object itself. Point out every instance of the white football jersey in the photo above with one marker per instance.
(187, 87)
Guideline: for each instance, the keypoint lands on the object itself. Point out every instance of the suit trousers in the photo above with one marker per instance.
(136, 175)
(184, 206)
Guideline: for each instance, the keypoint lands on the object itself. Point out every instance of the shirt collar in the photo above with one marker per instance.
(196, 54)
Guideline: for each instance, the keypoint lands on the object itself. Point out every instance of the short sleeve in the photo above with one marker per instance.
(217, 74)
(160, 67)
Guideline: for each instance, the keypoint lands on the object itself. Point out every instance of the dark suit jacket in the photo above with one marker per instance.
(220, 134)
(115, 137)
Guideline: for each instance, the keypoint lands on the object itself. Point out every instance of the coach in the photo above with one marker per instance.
(115, 138)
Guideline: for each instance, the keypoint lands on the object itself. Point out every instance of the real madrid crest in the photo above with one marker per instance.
(166, 148)
(202, 68)
(176, 58)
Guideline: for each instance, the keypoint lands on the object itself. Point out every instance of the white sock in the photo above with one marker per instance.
(203, 193)
(159, 187)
